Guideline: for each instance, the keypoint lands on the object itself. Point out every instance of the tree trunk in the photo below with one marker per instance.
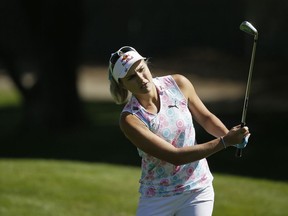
(48, 32)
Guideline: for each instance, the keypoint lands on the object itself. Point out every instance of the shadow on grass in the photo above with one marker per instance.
(102, 141)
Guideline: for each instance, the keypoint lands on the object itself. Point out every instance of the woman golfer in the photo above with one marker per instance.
(158, 120)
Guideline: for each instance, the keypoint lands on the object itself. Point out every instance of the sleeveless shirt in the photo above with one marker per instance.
(174, 124)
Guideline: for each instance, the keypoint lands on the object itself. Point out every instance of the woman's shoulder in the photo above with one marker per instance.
(168, 80)
(184, 84)
(179, 79)
(173, 80)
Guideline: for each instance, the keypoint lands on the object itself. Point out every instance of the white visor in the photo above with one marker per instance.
(124, 63)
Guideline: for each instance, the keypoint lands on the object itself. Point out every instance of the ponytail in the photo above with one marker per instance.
(119, 94)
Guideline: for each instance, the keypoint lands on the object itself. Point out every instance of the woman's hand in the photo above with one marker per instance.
(238, 136)
(244, 143)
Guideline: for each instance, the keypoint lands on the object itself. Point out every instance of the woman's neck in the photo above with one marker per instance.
(150, 101)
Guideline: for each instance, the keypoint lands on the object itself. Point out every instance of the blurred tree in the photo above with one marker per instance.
(39, 46)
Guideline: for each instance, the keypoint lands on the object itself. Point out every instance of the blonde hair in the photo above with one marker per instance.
(119, 94)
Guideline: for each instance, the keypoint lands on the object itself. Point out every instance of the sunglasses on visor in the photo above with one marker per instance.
(115, 56)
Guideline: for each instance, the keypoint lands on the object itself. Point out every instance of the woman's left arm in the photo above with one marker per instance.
(199, 111)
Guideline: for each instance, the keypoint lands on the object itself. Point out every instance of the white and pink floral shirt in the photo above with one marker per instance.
(174, 124)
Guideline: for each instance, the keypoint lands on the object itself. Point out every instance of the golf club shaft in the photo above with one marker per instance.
(245, 106)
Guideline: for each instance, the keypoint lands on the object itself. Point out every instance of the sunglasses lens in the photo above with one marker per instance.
(114, 58)
(126, 49)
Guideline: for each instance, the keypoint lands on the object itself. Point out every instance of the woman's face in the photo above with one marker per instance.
(138, 80)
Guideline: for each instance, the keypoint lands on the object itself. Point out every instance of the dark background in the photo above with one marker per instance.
(50, 40)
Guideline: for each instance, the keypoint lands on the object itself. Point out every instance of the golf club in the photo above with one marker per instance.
(249, 29)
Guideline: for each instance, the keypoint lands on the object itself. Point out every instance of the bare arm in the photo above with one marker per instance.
(147, 141)
(138, 133)
(199, 111)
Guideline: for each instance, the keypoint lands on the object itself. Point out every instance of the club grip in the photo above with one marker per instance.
(239, 152)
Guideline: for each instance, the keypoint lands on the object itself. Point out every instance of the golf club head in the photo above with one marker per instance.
(248, 28)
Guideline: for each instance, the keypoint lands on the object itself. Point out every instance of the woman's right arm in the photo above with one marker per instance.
(138, 133)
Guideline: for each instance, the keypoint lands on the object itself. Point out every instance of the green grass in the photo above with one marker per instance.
(36, 188)
(9, 97)
(248, 196)
(60, 188)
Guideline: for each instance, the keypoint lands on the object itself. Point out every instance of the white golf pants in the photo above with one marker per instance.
(187, 204)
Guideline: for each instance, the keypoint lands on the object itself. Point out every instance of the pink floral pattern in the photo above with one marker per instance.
(173, 123)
